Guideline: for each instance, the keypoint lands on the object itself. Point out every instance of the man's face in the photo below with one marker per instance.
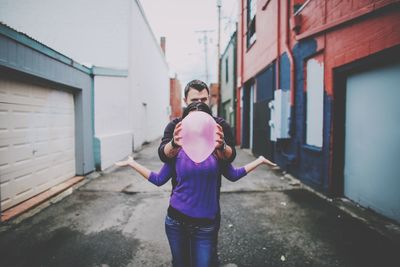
(196, 96)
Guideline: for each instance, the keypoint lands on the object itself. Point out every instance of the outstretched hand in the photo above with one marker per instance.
(267, 162)
(125, 162)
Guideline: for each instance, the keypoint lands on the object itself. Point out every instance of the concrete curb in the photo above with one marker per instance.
(46, 202)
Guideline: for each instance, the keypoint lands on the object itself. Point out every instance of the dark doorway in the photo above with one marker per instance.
(265, 87)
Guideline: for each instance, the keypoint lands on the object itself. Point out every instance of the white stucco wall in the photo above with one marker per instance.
(150, 83)
(112, 127)
(109, 34)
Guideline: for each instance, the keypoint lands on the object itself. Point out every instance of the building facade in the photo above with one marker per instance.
(131, 79)
(228, 83)
(214, 98)
(317, 88)
(46, 118)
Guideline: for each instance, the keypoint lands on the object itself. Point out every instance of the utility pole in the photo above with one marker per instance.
(219, 55)
(205, 43)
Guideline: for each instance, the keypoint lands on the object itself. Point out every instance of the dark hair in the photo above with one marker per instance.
(197, 85)
(198, 106)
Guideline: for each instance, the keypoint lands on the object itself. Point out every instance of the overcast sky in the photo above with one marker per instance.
(183, 23)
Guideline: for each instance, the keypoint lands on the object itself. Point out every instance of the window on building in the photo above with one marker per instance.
(298, 4)
(226, 70)
(315, 101)
(251, 22)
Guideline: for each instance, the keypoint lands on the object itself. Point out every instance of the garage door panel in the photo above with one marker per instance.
(37, 140)
(372, 145)
(4, 118)
(21, 153)
(25, 95)
(23, 183)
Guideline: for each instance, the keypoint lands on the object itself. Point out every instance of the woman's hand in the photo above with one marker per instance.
(125, 162)
(267, 162)
(177, 136)
(219, 137)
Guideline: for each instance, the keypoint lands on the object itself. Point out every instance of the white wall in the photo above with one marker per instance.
(109, 34)
(150, 83)
(112, 127)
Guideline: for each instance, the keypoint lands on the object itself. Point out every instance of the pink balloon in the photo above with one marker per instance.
(198, 135)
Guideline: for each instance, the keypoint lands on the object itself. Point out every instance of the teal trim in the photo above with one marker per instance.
(30, 42)
(96, 142)
(102, 71)
(97, 154)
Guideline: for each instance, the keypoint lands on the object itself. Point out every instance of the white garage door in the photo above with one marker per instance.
(37, 144)
(372, 145)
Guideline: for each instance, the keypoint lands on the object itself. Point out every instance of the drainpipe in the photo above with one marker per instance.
(278, 46)
(290, 54)
(241, 72)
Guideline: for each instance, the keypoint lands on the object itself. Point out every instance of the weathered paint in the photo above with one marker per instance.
(314, 105)
(308, 163)
(342, 33)
(265, 83)
(284, 72)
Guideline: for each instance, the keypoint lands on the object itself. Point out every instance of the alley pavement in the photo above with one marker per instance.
(268, 219)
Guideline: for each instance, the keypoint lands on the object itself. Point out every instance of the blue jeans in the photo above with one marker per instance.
(191, 245)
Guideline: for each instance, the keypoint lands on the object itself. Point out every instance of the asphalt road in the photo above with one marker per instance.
(116, 219)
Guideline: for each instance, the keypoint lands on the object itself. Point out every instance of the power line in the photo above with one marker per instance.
(205, 40)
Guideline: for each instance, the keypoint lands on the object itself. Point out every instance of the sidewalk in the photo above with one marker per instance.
(268, 219)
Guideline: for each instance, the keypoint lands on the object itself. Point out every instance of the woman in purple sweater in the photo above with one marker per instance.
(192, 222)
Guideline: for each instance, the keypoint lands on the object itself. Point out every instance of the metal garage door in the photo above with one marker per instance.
(37, 144)
(372, 140)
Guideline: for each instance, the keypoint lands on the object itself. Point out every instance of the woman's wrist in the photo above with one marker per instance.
(173, 144)
(222, 147)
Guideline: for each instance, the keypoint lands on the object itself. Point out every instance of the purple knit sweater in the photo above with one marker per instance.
(197, 189)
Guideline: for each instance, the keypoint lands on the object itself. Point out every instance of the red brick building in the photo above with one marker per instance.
(215, 98)
(175, 98)
(316, 84)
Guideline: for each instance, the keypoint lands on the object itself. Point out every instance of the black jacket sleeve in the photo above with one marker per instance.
(169, 131)
(228, 136)
(168, 134)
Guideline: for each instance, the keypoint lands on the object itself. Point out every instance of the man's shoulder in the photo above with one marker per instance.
(220, 121)
(174, 121)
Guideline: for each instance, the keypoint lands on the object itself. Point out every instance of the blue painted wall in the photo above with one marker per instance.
(307, 163)
(266, 84)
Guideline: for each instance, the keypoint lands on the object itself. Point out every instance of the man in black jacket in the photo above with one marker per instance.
(171, 143)
(196, 90)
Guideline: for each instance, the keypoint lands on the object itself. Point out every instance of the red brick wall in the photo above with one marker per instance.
(351, 30)
(264, 50)
(175, 98)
